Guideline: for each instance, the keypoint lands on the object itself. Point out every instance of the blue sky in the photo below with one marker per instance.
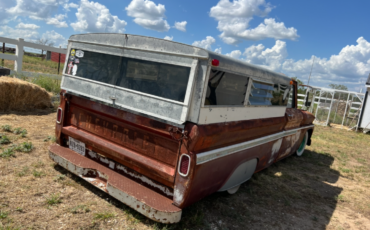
(283, 36)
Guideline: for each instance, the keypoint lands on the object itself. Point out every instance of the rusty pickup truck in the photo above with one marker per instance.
(160, 125)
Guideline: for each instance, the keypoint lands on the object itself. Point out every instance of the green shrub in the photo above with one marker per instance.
(51, 85)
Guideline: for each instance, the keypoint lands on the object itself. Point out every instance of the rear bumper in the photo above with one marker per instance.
(144, 200)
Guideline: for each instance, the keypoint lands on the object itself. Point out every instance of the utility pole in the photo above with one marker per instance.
(308, 83)
(2, 61)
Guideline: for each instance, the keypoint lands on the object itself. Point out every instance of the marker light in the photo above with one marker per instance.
(184, 165)
(59, 115)
(215, 62)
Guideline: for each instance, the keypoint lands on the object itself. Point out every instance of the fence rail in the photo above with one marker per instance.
(18, 57)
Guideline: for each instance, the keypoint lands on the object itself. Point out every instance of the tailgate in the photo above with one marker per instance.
(142, 144)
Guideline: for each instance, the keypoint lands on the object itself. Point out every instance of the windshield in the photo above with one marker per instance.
(159, 79)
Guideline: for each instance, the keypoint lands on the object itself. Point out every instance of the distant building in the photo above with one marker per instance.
(55, 57)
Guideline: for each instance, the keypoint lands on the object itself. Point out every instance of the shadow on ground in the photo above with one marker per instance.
(295, 193)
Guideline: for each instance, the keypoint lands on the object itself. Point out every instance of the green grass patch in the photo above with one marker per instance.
(20, 131)
(4, 140)
(3, 214)
(36, 173)
(104, 216)
(24, 172)
(80, 209)
(25, 147)
(50, 84)
(7, 153)
(6, 128)
(53, 199)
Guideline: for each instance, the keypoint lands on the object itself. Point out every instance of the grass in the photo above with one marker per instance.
(3, 214)
(7, 153)
(36, 64)
(53, 199)
(6, 128)
(80, 209)
(4, 140)
(103, 216)
(38, 174)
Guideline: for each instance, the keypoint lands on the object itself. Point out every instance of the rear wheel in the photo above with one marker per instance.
(302, 146)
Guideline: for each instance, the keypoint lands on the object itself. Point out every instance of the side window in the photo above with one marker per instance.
(267, 94)
(291, 98)
(226, 89)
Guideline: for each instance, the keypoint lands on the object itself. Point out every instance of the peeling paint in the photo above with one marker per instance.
(178, 195)
(145, 180)
(92, 154)
(275, 149)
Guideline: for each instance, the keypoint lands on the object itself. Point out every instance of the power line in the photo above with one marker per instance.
(308, 83)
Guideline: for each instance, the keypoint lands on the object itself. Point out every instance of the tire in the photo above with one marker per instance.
(302, 146)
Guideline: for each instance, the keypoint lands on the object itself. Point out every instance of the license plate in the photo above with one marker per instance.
(77, 146)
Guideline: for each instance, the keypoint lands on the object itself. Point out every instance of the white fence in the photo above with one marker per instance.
(19, 52)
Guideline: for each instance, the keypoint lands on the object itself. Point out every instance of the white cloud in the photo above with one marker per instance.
(95, 17)
(5, 17)
(27, 26)
(270, 58)
(36, 9)
(234, 54)
(168, 38)
(57, 21)
(349, 67)
(67, 6)
(218, 50)
(56, 38)
(26, 34)
(181, 25)
(234, 17)
(206, 43)
(148, 15)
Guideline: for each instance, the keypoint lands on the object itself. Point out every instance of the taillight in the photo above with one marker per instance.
(59, 115)
(184, 165)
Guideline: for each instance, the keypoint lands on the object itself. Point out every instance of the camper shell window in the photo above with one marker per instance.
(158, 79)
(231, 89)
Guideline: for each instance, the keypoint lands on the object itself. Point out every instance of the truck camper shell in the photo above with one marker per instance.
(160, 125)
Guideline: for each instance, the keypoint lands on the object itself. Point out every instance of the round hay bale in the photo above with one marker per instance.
(19, 95)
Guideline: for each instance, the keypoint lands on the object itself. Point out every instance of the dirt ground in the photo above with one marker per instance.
(327, 188)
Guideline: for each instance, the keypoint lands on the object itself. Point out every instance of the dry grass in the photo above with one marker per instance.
(326, 188)
(19, 95)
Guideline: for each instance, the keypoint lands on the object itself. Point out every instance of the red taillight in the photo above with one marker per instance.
(215, 62)
(59, 115)
(184, 165)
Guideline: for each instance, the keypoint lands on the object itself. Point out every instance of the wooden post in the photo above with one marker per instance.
(19, 54)
(2, 61)
(59, 61)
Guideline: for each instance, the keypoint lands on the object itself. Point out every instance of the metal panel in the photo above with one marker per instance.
(243, 173)
(209, 115)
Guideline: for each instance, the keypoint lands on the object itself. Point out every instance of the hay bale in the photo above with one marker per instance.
(18, 95)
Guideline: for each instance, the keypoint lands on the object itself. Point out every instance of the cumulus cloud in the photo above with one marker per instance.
(5, 16)
(67, 6)
(181, 26)
(27, 26)
(350, 66)
(56, 38)
(168, 38)
(26, 34)
(205, 43)
(95, 17)
(36, 9)
(234, 17)
(234, 54)
(148, 15)
(218, 50)
(57, 21)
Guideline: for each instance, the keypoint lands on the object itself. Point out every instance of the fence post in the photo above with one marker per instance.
(2, 61)
(19, 53)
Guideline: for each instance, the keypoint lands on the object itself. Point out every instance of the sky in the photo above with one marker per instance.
(289, 37)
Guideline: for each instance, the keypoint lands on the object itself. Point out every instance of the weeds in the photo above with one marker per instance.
(80, 208)
(23, 172)
(9, 152)
(3, 214)
(51, 85)
(103, 216)
(22, 132)
(25, 147)
(38, 173)
(59, 177)
(53, 199)
(39, 164)
(50, 138)
(4, 140)
(6, 128)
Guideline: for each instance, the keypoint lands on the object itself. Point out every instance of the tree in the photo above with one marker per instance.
(301, 89)
(45, 42)
(339, 87)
